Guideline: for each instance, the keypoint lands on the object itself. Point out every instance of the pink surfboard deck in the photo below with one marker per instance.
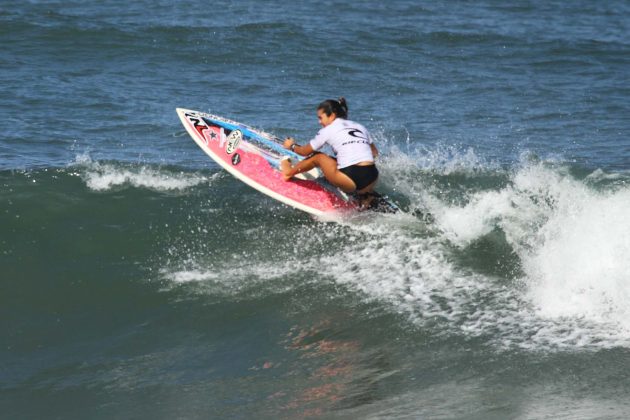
(252, 156)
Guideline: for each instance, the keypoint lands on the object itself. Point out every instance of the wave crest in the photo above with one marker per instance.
(107, 176)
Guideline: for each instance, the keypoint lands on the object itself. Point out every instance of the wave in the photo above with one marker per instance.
(572, 242)
(527, 257)
(107, 176)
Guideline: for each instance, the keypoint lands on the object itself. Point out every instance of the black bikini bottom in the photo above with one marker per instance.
(362, 176)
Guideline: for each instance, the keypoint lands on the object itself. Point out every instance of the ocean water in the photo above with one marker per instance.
(139, 280)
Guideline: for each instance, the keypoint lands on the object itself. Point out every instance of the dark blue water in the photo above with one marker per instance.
(138, 280)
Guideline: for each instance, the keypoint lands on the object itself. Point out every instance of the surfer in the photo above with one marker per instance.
(353, 170)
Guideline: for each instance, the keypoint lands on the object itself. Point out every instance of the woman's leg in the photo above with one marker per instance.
(328, 166)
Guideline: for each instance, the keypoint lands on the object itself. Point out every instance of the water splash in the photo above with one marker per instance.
(571, 242)
(106, 176)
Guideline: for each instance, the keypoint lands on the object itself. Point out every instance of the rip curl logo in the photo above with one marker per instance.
(359, 135)
(233, 141)
(356, 133)
(355, 142)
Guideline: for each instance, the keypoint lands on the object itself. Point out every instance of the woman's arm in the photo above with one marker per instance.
(300, 150)
(374, 150)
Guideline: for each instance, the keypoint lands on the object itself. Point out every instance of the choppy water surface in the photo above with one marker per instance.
(139, 280)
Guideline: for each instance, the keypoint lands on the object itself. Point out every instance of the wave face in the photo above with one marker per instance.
(519, 263)
(137, 279)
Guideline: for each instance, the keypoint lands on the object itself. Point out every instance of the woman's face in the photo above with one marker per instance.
(324, 119)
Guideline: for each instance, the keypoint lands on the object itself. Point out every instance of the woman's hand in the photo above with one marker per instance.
(288, 143)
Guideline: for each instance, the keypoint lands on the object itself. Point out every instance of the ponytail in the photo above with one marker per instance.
(338, 107)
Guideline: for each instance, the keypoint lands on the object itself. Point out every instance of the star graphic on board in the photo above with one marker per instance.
(213, 135)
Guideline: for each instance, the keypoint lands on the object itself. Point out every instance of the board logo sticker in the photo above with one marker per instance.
(236, 159)
(199, 125)
(232, 141)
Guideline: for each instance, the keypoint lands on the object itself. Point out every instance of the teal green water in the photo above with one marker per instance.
(138, 280)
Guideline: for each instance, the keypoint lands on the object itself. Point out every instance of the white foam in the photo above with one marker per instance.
(599, 175)
(230, 278)
(190, 276)
(412, 274)
(462, 225)
(412, 173)
(104, 176)
(573, 243)
(441, 159)
(574, 246)
(581, 268)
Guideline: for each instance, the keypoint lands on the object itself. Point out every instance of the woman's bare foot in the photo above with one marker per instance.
(285, 168)
(366, 200)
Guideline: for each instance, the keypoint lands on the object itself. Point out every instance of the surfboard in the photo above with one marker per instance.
(253, 157)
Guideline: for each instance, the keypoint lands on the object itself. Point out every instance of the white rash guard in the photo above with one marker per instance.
(349, 140)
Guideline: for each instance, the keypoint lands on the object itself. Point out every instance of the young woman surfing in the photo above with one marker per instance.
(353, 171)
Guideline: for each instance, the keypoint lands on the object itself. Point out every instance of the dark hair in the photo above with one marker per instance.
(339, 107)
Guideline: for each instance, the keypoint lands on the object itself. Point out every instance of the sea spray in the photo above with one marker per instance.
(573, 243)
(100, 176)
(550, 223)
(581, 268)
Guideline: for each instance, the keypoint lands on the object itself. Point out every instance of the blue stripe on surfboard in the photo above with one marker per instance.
(257, 137)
